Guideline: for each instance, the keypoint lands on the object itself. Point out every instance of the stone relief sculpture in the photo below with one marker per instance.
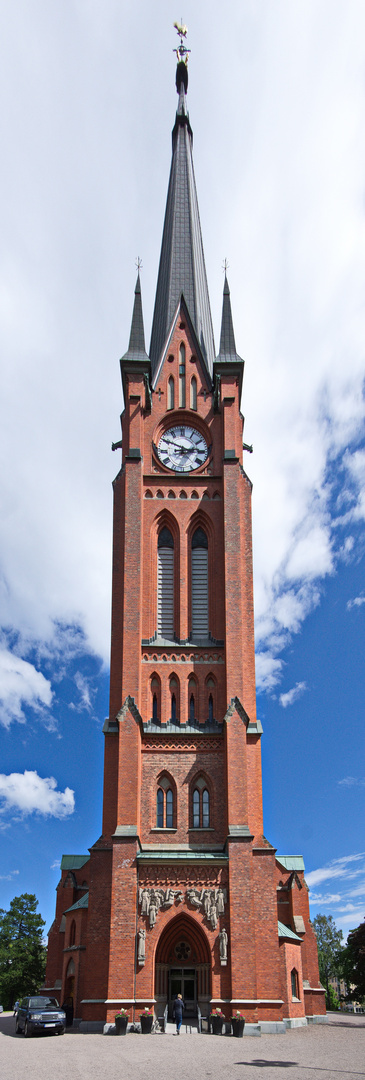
(151, 900)
(141, 946)
(223, 947)
(210, 901)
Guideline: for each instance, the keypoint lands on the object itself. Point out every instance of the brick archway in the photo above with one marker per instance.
(183, 945)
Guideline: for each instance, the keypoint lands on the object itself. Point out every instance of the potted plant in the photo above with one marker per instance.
(217, 1019)
(121, 1022)
(146, 1018)
(238, 1023)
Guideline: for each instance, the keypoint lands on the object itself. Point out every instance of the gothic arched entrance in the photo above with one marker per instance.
(183, 966)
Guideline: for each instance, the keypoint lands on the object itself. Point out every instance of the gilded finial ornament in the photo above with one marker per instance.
(182, 53)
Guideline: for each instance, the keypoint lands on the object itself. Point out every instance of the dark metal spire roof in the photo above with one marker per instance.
(227, 347)
(182, 266)
(136, 348)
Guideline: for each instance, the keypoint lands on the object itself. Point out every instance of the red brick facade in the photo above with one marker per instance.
(181, 882)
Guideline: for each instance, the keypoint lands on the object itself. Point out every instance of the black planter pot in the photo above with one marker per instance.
(238, 1026)
(121, 1023)
(217, 1024)
(146, 1024)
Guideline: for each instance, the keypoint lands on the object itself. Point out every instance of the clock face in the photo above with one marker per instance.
(182, 448)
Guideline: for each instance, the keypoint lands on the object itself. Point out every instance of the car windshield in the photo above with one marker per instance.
(43, 1003)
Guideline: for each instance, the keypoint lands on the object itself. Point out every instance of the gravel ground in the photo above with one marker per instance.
(327, 1052)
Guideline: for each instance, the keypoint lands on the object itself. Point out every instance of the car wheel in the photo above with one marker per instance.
(27, 1031)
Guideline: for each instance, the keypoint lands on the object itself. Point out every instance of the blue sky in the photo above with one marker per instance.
(277, 106)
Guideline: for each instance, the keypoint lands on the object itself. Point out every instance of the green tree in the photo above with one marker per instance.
(353, 963)
(332, 1002)
(329, 946)
(22, 952)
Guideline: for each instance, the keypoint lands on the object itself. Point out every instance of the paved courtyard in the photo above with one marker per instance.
(323, 1052)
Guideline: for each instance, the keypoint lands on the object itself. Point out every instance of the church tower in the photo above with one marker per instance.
(182, 893)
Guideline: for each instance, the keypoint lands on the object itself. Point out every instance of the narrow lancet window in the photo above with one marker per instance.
(165, 585)
(193, 393)
(182, 381)
(199, 586)
(171, 393)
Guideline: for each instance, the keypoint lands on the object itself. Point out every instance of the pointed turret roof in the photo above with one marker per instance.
(136, 347)
(227, 348)
(182, 265)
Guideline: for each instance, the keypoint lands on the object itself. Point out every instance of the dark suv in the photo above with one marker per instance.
(40, 1014)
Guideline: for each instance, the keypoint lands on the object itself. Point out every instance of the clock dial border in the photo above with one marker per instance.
(182, 430)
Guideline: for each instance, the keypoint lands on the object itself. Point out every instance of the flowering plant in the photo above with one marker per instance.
(147, 1012)
(217, 1012)
(237, 1015)
(122, 1012)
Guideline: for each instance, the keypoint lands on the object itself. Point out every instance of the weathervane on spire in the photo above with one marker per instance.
(182, 53)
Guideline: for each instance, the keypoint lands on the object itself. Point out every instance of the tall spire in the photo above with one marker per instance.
(227, 348)
(136, 348)
(182, 265)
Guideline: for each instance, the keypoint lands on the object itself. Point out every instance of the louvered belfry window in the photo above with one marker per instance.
(165, 585)
(199, 585)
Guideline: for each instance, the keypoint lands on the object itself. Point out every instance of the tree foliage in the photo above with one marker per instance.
(329, 947)
(22, 952)
(353, 963)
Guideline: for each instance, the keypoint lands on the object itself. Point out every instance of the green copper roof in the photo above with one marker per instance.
(74, 862)
(286, 932)
(83, 903)
(291, 862)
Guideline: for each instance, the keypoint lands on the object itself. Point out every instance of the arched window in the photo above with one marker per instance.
(171, 393)
(205, 808)
(165, 804)
(169, 809)
(156, 698)
(193, 393)
(182, 382)
(196, 809)
(165, 585)
(294, 984)
(201, 805)
(192, 708)
(160, 808)
(199, 586)
(210, 709)
(174, 687)
(73, 932)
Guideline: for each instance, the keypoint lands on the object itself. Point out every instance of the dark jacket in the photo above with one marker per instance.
(178, 1008)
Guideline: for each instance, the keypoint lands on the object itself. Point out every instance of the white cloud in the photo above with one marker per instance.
(292, 695)
(10, 876)
(28, 793)
(55, 865)
(297, 256)
(352, 781)
(335, 869)
(85, 692)
(21, 685)
(357, 601)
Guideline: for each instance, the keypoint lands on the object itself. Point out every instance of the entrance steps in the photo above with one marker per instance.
(188, 1027)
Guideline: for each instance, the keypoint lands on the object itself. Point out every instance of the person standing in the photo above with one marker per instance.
(178, 1012)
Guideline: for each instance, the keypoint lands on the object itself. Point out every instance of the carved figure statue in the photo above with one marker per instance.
(223, 944)
(141, 946)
